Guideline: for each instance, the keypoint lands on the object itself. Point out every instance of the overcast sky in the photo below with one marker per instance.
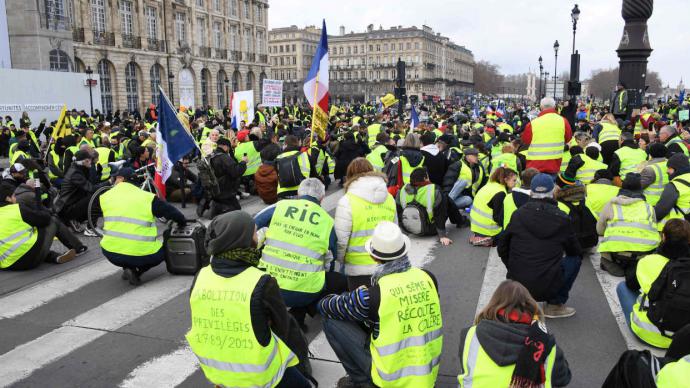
(512, 33)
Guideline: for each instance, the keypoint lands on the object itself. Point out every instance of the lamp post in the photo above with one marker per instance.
(574, 82)
(546, 81)
(89, 72)
(575, 15)
(555, 67)
(227, 91)
(170, 87)
(541, 73)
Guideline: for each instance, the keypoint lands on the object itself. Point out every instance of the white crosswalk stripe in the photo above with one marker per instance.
(168, 370)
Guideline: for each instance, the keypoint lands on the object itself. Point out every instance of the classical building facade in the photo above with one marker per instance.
(363, 65)
(204, 49)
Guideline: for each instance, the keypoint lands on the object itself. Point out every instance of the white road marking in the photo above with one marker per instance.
(168, 370)
(493, 276)
(27, 358)
(28, 299)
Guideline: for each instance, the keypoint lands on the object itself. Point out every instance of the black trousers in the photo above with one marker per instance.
(78, 211)
(224, 205)
(39, 252)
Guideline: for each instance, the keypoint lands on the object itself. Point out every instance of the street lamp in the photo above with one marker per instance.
(227, 90)
(170, 87)
(541, 74)
(89, 72)
(575, 15)
(546, 81)
(555, 71)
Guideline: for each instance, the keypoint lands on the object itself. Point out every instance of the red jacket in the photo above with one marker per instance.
(552, 166)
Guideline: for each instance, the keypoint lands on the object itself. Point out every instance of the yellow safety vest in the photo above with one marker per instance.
(407, 351)
(365, 216)
(648, 270)
(376, 155)
(425, 196)
(674, 374)
(481, 215)
(565, 159)
(681, 144)
(407, 168)
(16, 236)
(372, 131)
(262, 117)
(632, 229)
(598, 195)
(103, 158)
(222, 336)
(480, 371)
(466, 175)
(129, 226)
(55, 161)
(87, 141)
(505, 160)
(585, 174)
(653, 192)
(630, 158)
(638, 125)
(253, 156)
(609, 132)
(548, 133)
(296, 246)
(16, 155)
(303, 160)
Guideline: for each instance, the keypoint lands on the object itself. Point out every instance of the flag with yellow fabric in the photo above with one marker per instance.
(388, 100)
(60, 129)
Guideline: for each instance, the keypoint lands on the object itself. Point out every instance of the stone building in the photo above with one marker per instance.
(203, 48)
(363, 65)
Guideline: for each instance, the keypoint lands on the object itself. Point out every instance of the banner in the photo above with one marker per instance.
(243, 107)
(684, 115)
(388, 100)
(272, 94)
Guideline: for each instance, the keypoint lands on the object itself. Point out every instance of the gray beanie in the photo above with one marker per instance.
(230, 231)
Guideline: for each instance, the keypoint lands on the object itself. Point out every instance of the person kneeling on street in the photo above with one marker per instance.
(389, 333)
(273, 351)
(299, 249)
(26, 234)
(129, 226)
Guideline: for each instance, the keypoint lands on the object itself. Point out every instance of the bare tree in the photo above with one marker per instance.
(487, 78)
(603, 81)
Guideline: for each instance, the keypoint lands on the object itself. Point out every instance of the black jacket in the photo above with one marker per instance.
(228, 171)
(532, 247)
(348, 150)
(435, 166)
(75, 186)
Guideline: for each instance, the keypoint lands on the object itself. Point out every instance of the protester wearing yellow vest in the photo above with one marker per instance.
(584, 165)
(627, 158)
(378, 153)
(674, 374)
(463, 179)
(410, 156)
(27, 233)
(373, 131)
(628, 225)
(366, 203)
(675, 199)
(401, 349)
(105, 156)
(500, 351)
(248, 149)
(654, 175)
(506, 158)
(482, 221)
(262, 350)
(546, 136)
(668, 135)
(129, 226)
(517, 197)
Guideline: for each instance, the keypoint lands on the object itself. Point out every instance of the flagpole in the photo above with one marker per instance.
(316, 94)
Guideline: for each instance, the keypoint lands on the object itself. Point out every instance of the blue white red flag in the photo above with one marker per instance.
(316, 86)
(414, 119)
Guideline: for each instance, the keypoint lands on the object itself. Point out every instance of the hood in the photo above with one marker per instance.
(626, 197)
(571, 193)
(431, 148)
(544, 218)
(370, 187)
(266, 170)
(413, 155)
(502, 341)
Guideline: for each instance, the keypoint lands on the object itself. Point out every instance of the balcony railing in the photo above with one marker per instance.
(78, 34)
(251, 57)
(156, 45)
(131, 41)
(104, 38)
(220, 53)
(263, 58)
(235, 55)
(204, 51)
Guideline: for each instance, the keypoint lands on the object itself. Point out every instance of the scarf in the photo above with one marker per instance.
(390, 267)
(529, 368)
(248, 255)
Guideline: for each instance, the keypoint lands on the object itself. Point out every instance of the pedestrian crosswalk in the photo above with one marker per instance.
(148, 322)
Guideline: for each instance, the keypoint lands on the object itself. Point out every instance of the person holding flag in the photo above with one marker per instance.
(316, 87)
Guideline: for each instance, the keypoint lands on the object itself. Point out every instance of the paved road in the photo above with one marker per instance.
(80, 325)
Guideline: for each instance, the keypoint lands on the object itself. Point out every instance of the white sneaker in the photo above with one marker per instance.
(245, 195)
(77, 227)
(90, 233)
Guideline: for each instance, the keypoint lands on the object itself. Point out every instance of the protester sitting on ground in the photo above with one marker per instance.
(517, 197)
(366, 203)
(490, 198)
(270, 337)
(654, 175)
(299, 249)
(650, 273)
(422, 194)
(463, 179)
(292, 166)
(508, 346)
(628, 225)
(600, 192)
(228, 171)
(570, 194)
(540, 249)
(27, 233)
(364, 326)
(173, 186)
(129, 229)
(675, 199)
(208, 146)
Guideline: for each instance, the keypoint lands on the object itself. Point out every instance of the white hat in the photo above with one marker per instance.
(388, 243)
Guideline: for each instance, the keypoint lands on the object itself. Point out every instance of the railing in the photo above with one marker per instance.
(104, 38)
(78, 34)
(156, 45)
(204, 51)
(131, 41)
(251, 57)
(221, 53)
(235, 55)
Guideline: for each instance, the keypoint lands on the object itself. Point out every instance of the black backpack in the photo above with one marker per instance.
(415, 220)
(289, 172)
(669, 296)
(634, 369)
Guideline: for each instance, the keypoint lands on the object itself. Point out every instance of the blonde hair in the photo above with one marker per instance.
(412, 140)
(509, 296)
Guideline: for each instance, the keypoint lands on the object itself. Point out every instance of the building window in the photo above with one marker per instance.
(247, 10)
(106, 86)
(155, 83)
(220, 89)
(98, 15)
(236, 81)
(181, 27)
(151, 22)
(217, 35)
(55, 15)
(248, 42)
(200, 3)
(216, 5)
(232, 4)
(260, 42)
(201, 32)
(59, 60)
(234, 38)
(250, 81)
(126, 17)
(204, 88)
(132, 87)
(416, 45)
(259, 13)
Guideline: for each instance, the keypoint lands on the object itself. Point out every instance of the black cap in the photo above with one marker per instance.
(632, 181)
(445, 138)
(225, 142)
(125, 172)
(678, 162)
(470, 151)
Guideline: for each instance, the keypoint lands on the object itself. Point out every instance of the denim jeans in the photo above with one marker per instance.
(627, 299)
(455, 195)
(571, 267)
(293, 378)
(351, 344)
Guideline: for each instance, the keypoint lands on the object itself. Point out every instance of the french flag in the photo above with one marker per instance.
(414, 119)
(316, 85)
